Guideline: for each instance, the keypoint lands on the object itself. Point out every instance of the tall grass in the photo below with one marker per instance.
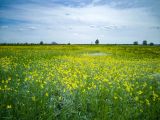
(66, 83)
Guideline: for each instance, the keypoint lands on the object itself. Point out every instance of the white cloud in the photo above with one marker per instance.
(77, 24)
(32, 28)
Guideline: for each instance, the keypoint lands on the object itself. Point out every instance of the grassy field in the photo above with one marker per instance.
(80, 82)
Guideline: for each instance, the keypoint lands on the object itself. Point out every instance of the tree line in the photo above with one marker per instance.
(54, 43)
(143, 43)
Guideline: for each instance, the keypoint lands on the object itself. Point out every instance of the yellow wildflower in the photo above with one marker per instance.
(141, 110)
(46, 94)
(140, 92)
(9, 106)
(136, 98)
(33, 98)
(147, 102)
(115, 97)
(2, 81)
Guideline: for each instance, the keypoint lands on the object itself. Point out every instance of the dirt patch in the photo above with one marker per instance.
(97, 54)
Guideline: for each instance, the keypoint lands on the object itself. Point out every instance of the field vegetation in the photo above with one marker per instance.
(80, 82)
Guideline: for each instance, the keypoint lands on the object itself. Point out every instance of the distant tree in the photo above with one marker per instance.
(26, 43)
(69, 43)
(54, 43)
(97, 42)
(151, 44)
(144, 42)
(41, 43)
(135, 43)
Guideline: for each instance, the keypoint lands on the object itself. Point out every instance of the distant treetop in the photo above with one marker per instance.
(41, 43)
(97, 42)
(54, 43)
(135, 43)
(144, 42)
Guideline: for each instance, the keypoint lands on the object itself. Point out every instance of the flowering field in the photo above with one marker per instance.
(80, 82)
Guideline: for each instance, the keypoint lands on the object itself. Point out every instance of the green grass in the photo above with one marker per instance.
(65, 82)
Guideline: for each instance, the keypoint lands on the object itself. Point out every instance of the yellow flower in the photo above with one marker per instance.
(2, 81)
(145, 84)
(5, 86)
(83, 90)
(33, 98)
(150, 87)
(154, 96)
(140, 92)
(9, 106)
(42, 86)
(128, 89)
(105, 80)
(147, 102)
(46, 94)
(115, 97)
(136, 98)
(9, 78)
(7, 81)
(60, 98)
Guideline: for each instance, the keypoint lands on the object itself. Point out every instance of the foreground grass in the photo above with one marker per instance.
(67, 83)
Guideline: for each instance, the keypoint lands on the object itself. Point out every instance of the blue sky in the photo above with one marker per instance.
(79, 21)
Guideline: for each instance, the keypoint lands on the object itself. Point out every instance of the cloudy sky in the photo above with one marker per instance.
(79, 21)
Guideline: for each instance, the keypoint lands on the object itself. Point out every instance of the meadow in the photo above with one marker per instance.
(80, 82)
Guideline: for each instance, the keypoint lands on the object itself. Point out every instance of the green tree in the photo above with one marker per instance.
(97, 42)
(144, 42)
(41, 43)
(135, 43)
(151, 44)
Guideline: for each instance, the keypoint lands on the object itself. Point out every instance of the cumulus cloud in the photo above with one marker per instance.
(80, 24)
